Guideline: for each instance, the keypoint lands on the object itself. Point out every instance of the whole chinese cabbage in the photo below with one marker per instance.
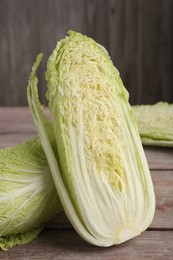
(28, 197)
(155, 123)
(100, 172)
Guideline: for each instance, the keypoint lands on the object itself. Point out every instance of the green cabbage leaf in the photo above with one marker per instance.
(28, 197)
(155, 123)
(100, 171)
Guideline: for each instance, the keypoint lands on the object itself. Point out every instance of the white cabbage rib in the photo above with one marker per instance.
(37, 113)
(101, 173)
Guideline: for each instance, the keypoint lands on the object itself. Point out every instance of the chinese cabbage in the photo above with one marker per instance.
(101, 173)
(28, 197)
(155, 123)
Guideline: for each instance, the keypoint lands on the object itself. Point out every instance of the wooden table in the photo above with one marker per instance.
(60, 241)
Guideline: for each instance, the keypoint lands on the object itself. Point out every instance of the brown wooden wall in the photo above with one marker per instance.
(138, 35)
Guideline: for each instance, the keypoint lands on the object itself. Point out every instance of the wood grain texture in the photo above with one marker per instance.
(137, 34)
(66, 244)
(159, 158)
(163, 186)
(17, 120)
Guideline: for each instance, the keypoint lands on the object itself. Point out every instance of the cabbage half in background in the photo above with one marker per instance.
(100, 172)
(28, 197)
(155, 123)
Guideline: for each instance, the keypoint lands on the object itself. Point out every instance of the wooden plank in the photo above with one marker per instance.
(7, 140)
(124, 23)
(159, 158)
(163, 186)
(17, 120)
(16, 125)
(137, 35)
(65, 244)
(156, 51)
(17, 53)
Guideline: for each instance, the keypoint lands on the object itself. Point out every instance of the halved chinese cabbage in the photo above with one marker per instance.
(155, 123)
(101, 173)
(28, 196)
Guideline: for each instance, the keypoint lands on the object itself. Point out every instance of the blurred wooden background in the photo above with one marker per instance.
(138, 35)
